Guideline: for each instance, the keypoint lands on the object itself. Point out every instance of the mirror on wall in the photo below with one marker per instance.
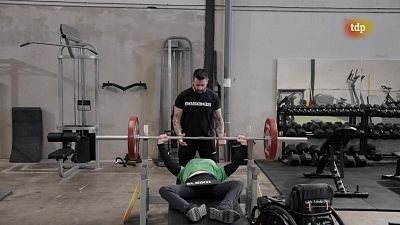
(319, 91)
(338, 81)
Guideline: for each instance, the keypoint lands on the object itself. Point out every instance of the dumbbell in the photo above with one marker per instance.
(384, 130)
(387, 126)
(291, 132)
(364, 108)
(337, 125)
(300, 132)
(305, 157)
(355, 109)
(396, 126)
(327, 110)
(375, 110)
(316, 110)
(306, 126)
(384, 110)
(339, 109)
(314, 126)
(325, 126)
(290, 109)
(373, 154)
(328, 132)
(315, 153)
(296, 125)
(391, 109)
(347, 110)
(319, 133)
(395, 134)
(373, 134)
(360, 159)
(397, 110)
(348, 160)
(303, 110)
(379, 126)
(385, 134)
(293, 159)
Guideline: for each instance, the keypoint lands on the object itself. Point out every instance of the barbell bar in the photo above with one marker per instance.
(140, 137)
(270, 138)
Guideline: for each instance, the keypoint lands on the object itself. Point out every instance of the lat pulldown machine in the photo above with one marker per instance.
(78, 82)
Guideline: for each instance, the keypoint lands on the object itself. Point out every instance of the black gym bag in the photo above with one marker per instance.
(311, 203)
(307, 204)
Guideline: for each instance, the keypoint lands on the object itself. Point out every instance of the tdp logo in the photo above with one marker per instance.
(356, 28)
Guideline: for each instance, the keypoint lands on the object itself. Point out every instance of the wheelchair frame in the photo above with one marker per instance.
(276, 207)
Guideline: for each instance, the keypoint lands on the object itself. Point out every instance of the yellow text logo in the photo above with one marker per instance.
(357, 28)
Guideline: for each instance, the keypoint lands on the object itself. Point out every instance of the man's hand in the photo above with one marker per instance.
(242, 140)
(163, 138)
(180, 141)
(221, 141)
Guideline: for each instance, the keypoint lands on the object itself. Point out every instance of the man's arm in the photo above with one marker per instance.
(176, 122)
(236, 160)
(219, 122)
(174, 168)
(237, 157)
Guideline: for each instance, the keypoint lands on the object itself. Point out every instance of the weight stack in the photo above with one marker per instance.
(27, 134)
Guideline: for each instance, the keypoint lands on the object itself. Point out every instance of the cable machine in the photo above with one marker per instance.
(176, 70)
(78, 83)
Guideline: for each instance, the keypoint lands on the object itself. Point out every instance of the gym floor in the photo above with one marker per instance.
(101, 196)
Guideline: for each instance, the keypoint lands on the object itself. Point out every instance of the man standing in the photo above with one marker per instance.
(194, 111)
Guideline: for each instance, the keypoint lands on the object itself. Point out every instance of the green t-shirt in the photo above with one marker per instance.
(207, 165)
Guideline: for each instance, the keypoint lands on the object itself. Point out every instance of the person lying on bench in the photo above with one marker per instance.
(202, 178)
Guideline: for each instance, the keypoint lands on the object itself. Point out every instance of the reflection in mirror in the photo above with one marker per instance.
(322, 93)
(357, 81)
(293, 81)
(337, 81)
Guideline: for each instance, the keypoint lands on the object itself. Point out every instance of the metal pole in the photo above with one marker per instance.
(144, 189)
(249, 193)
(82, 85)
(96, 105)
(169, 86)
(227, 71)
(60, 91)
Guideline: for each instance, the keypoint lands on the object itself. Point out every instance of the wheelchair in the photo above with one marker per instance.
(307, 204)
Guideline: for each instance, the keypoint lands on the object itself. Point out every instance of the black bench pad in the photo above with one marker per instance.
(61, 153)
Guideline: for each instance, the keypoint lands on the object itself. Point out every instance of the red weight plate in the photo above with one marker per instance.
(133, 135)
(271, 145)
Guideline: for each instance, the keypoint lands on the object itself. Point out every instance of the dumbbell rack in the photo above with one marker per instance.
(364, 112)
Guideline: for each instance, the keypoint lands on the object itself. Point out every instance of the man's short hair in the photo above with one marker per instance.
(200, 74)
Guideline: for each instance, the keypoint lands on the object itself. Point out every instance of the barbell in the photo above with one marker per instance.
(270, 138)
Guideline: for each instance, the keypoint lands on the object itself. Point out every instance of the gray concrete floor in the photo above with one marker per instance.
(101, 196)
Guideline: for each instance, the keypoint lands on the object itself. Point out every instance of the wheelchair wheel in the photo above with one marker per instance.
(337, 217)
(274, 215)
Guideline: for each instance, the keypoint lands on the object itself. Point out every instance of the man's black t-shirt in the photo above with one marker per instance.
(198, 111)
